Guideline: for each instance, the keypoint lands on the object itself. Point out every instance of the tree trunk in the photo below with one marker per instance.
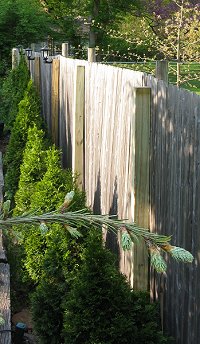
(93, 34)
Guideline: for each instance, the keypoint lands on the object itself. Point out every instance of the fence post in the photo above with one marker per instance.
(65, 49)
(37, 80)
(141, 188)
(91, 55)
(78, 129)
(162, 70)
(55, 99)
(15, 58)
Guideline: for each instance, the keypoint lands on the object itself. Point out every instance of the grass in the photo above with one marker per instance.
(190, 73)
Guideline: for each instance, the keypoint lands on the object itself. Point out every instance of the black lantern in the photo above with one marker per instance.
(45, 54)
(29, 54)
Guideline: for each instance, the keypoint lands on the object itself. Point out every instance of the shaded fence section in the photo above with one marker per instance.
(175, 206)
(123, 124)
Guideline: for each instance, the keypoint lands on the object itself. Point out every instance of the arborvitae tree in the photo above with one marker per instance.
(28, 116)
(32, 168)
(43, 185)
(102, 309)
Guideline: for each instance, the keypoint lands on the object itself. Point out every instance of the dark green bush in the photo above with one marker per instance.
(62, 258)
(101, 308)
(28, 116)
(32, 168)
(43, 185)
(49, 258)
(12, 92)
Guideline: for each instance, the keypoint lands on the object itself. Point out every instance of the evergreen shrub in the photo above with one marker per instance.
(32, 168)
(27, 116)
(102, 309)
(50, 257)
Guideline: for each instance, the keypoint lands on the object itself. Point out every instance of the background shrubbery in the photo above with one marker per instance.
(12, 92)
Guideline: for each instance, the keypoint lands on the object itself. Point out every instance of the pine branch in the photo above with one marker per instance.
(130, 232)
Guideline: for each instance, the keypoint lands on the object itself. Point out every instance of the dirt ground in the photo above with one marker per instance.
(25, 317)
(3, 143)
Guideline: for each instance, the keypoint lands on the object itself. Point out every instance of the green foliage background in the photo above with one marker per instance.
(22, 22)
(12, 91)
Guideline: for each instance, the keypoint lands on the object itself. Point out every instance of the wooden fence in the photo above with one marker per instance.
(5, 305)
(114, 127)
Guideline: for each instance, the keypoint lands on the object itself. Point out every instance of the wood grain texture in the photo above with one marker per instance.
(37, 78)
(5, 330)
(55, 100)
(46, 92)
(141, 181)
(175, 205)
(5, 306)
(3, 257)
(79, 124)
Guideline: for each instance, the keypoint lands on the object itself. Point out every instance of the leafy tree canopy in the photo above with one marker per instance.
(22, 22)
(98, 14)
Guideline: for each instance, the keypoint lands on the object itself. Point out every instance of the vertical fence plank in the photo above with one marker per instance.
(78, 130)
(55, 99)
(91, 55)
(5, 306)
(162, 70)
(37, 73)
(5, 333)
(15, 58)
(141, 181)
(65, 49)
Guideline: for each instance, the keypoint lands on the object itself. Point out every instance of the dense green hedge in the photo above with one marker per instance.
(102, 309)
(28, 115)
(43, 185)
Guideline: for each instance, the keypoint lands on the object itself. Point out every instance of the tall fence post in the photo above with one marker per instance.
(162, 70)
(65, 49)
(141, 188)
(55, 99)
(37, 73)
(78, 132)
(91, 55)
(15, 58)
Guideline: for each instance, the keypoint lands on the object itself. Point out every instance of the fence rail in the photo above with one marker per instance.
(114, 126)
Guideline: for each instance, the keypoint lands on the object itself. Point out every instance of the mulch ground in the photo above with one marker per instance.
(3, 143)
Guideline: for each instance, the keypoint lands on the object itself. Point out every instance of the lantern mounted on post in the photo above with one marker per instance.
(29, 54)
(45, 54)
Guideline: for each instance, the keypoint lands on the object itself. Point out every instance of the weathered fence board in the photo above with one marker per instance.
(141, 181)
(109, 158)
(5, 306)
(173, 194)
(55, 100)
(5, 330)
(79, 126)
